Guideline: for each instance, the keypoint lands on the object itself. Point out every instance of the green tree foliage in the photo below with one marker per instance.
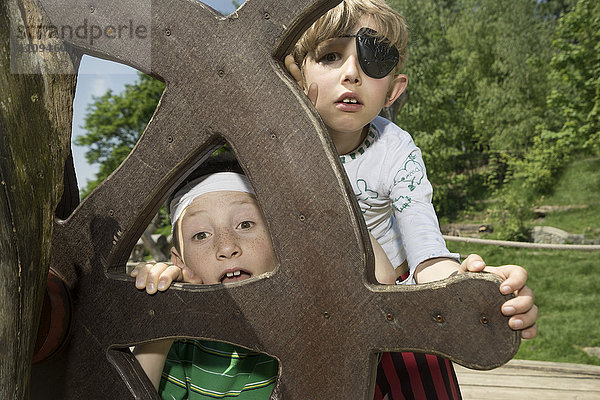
(114, 123)
(572, 123)
(576, 73)
(554, 9)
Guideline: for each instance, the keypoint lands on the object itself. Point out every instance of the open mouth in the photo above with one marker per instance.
(349, 102)
(231, 276)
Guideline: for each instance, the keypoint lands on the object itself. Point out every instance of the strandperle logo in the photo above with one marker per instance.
(85, 31)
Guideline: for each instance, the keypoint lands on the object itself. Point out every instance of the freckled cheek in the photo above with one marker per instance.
(199, 261)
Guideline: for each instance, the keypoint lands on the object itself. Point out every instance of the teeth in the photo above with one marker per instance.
(351, 101)
(232, 274)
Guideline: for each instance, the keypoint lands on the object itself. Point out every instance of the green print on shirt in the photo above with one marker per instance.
(401, 203)
(411, 173)
(364, 195)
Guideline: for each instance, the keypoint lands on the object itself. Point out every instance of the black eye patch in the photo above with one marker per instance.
(375, 56)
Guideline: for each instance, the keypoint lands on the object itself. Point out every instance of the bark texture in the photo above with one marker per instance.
(35, 128)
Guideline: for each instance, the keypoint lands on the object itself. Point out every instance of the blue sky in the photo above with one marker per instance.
(95, 77)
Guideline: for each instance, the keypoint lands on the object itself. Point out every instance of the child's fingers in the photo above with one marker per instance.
(140, 273)
(525, 322)
(530, 332)
(172, 273)
(154, 275)
(514, 276)
(523, 312)
(521, 304)
(293, 68)
(138, 269)
(473, 263)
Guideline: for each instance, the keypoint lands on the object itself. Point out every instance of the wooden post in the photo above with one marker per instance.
(36, 98)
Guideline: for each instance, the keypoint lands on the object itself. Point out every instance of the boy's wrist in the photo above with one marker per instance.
(436, 269)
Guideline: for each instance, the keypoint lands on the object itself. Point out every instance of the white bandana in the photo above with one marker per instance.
(217, 182)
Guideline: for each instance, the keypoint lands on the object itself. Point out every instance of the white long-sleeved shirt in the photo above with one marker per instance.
(388, 177)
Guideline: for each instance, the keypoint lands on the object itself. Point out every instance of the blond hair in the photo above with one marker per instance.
(345, 17)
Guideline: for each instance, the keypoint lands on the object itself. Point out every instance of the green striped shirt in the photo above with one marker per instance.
(197, 369)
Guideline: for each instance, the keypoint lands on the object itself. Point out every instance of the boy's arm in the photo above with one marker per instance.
(152, 357)
(521, 308)
(384, 270)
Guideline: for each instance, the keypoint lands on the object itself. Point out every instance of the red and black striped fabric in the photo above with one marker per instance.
(415, 376)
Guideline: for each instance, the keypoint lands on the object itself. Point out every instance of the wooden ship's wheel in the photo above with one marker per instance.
(320, 313)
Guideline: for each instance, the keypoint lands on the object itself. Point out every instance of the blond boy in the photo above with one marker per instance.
(349, 62)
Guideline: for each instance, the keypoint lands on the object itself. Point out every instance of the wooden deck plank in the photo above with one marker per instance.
(520, 379)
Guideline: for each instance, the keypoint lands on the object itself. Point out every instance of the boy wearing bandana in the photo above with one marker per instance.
(219, 236)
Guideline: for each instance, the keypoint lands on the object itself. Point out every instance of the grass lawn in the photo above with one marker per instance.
(567, 289)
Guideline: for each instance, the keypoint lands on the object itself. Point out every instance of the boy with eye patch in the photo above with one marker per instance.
(348, 63)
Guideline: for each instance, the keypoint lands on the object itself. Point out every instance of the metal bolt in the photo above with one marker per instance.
(326, 315)
(267, 15)
(389, 317)
(302, 217)
(484, 320)
(221, 73)
(170, 139)
(111, 213)
(273, 136)
(151, 313)
(168, 32)
(92, 9)
(439, 318)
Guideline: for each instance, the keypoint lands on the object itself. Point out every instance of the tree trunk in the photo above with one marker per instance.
(36, 103)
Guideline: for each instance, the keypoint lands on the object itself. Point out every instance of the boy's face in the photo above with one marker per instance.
(223, 238)
(348, 99)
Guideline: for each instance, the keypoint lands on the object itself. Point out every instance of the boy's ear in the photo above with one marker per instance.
(397, 87)
(176, 258)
